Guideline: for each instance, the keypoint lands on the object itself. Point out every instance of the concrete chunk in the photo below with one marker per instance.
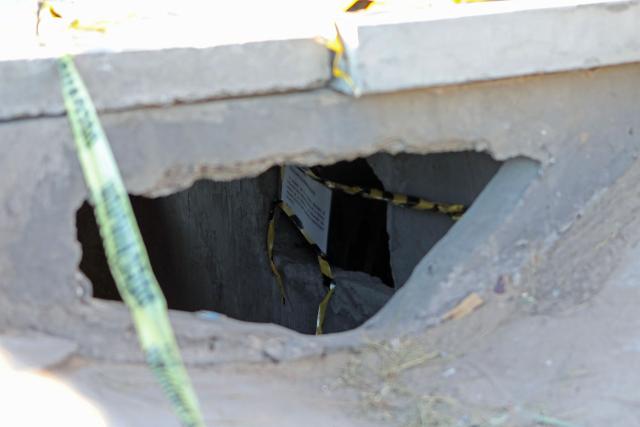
(171, 53)
(34, 350)
(446, 177)
(171, 76)
(485, 41)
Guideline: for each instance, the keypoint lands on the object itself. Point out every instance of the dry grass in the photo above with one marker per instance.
(380, 375)
(377, 374)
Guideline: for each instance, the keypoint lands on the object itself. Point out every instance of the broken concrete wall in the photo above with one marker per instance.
(207, 246)
(442, 177)
(545, 227)
(581, 151)
(357, 297)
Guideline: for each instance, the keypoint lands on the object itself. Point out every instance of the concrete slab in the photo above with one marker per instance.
(557, 229)
(42, 188)
(410, 49)
(184, 53)
(160, 54)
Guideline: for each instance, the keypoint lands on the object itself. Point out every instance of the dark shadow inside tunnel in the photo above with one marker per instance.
(207, 243)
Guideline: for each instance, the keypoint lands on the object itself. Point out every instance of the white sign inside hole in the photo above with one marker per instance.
(310, 201)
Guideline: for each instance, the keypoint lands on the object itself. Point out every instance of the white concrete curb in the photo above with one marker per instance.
(484, 41)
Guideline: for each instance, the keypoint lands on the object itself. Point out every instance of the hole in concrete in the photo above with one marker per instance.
(358, 240)
(208, 250)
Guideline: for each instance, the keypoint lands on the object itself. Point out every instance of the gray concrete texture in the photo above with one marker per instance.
(556, 227)
(444, 45)
(446, 177)
(164, 53)
(176, 53)
(525, 210)
(207, 246)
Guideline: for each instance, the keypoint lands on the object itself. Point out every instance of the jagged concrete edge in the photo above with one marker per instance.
(466, 43)
(49, 184)
(429, 294)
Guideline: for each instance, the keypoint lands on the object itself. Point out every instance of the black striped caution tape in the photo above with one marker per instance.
(356, 5)
(323, 262)
(454, 211)
(125, 250)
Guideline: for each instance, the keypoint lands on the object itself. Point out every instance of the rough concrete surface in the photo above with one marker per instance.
(199, 242)
(501, 365)
(550, 245)
(166, 77)
(404, 50)
(448, 178)
(164, 53)
(162, 150)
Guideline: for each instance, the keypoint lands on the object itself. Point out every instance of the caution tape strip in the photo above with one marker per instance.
(454, 211)
(323, 262)
(357, 5)
(126, 254)
(271, 238)
(338, 63)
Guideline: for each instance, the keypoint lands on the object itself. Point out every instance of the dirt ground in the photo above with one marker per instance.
(502, 365)
(529, 356)
(558, 347)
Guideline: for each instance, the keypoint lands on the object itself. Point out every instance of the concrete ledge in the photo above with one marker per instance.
(143, 64)
(581, 151)
(176, 55)
(493, 207)
(165, 77)
(396, 51)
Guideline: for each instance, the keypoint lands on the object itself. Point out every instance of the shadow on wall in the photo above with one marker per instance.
(207, 244)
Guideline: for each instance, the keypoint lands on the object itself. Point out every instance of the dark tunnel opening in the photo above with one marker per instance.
(207, 243)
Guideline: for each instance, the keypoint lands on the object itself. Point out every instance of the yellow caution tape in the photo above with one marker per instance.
(271, 238)
(322, 308)
(125, 250)
(356, 5)
(323, 262)
(339, 65)
(453, 210)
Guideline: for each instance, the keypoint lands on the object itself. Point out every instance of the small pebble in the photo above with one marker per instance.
(449, 372)
(501, 285)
